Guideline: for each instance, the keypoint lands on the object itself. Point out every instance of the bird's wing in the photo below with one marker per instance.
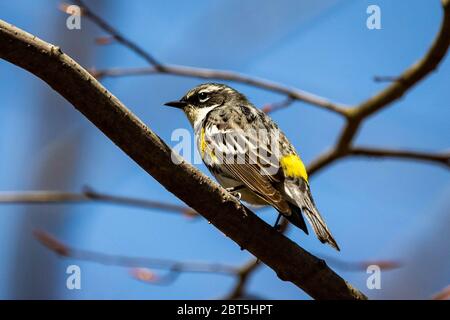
(234, 151)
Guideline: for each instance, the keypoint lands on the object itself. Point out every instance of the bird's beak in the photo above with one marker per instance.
(176, 104)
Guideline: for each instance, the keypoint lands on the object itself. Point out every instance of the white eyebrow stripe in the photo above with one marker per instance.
(210, 88)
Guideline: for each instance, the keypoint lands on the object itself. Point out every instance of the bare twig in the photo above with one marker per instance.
(386, 79)
(116, 34)
(396, 90)
(246, 270)
(174, 267)
(142, 267)
(444, 294)
(88, 195)
(275, 106)
(414, 74)
(243, 274)
(335, 154)
(435, 158)
(160, 68)
(203, 73)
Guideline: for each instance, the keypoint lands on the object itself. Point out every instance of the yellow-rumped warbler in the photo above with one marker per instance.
(250, 156)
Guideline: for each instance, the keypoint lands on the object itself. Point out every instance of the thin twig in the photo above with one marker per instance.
(435, 158)
(213, 74)
(275, 106)
(386, 79)
(444, 294)
(417, 72)
(160, 68)
(88, 195)
(88, 13)
(329, 157)
(413, 75)
(247, 269)
(174, 267)
(141, 267)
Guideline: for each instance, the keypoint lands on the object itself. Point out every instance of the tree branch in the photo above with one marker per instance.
(86, 94)
(203, 73)
(89, 195)
(117, 35)
(417, 72)
(160, 68)
(140, 265)
(414, 74)
(403, 83)
(174, 267)
(436, 158)
(335, 154)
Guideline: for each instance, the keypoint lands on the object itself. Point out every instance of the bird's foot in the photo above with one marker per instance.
(237, 195)
(234, 193)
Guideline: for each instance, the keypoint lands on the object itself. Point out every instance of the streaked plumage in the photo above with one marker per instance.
(224, 121)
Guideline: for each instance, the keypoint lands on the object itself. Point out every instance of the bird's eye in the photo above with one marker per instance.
(203, 97)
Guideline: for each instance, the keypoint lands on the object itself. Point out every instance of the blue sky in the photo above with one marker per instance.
(377, 209)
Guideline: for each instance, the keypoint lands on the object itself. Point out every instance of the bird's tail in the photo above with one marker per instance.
(306, 203)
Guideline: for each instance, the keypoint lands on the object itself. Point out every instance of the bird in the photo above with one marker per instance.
(250, 156)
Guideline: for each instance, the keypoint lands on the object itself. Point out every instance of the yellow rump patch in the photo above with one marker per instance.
(293, 167)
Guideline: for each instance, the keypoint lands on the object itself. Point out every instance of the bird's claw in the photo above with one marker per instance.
(234, 193)
(237, 195)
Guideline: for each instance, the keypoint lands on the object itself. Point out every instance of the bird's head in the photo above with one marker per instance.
(198, 101)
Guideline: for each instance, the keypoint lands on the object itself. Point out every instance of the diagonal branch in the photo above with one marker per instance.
(106, 112)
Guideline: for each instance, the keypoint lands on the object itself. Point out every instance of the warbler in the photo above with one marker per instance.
(260, 169)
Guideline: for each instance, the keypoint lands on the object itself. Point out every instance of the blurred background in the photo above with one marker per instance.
(377, 209)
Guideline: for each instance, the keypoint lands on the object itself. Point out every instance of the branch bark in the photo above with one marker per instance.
(106, 112)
